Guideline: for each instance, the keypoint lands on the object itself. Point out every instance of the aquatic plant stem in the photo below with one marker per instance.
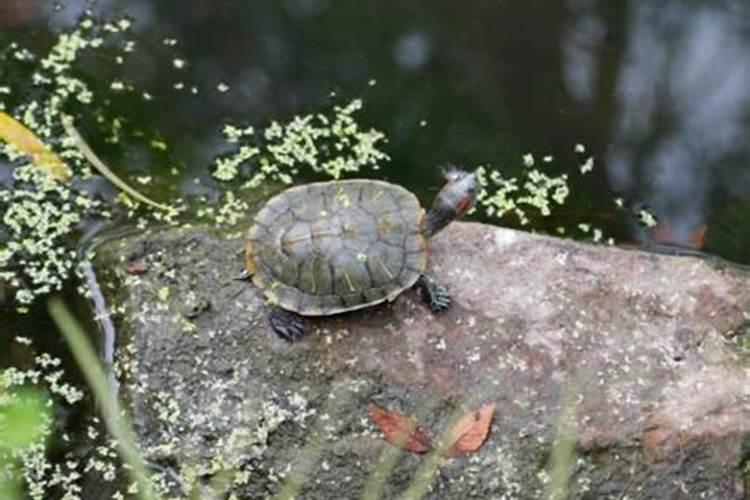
(378, 477)
(423, 478)
(97, 163)
(117, 422)
(308, 456)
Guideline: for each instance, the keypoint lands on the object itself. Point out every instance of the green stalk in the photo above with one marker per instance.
(117, 422)
(388, 460)
(563, 455)
(104, 169)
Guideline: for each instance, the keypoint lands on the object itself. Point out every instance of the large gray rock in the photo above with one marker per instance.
(648, 353)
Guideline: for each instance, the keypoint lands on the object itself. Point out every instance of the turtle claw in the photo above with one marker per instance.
(287, 325)
(245, 275)
(434, 294)
(440, 299)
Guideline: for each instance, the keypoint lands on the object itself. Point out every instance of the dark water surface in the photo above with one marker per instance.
(659, 92)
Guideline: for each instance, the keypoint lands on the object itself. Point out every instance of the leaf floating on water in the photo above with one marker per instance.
(470, 432)
(24, 141)
(400, 430)
(698, 236)
(663, 233)
(104, 169)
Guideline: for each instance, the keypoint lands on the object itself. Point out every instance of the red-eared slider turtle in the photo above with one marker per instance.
(331, 247)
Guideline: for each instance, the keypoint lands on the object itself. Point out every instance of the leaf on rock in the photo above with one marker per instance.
(470, 432)
(400, 430)
(136, 267)
(25, 142)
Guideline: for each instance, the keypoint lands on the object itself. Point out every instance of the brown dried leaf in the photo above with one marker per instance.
(663, 234)
(698, 236)
(400, 430)
(470, 432)
(15, 12)
(136, 267)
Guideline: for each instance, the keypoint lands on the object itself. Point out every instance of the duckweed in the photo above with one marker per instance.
(330, 142)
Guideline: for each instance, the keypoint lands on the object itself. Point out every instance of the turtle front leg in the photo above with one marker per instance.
(287, 325)
(434, 294)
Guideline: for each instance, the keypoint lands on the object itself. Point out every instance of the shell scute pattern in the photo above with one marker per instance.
(331, 247)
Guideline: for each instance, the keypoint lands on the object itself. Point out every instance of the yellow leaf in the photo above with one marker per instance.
(15, 134)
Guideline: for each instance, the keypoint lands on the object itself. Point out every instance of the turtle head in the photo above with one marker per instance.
(454, 200)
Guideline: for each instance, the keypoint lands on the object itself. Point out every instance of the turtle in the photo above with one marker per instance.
(327, 248)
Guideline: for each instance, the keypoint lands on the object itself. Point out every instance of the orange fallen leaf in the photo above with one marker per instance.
(470, 432)
(136, 267)
(400, 430)
(698, 236)
(24, 141)
(663, 234)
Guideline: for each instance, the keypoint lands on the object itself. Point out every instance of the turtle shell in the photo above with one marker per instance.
(331, 247)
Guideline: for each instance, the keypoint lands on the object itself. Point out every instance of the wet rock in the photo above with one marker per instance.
(647, 352)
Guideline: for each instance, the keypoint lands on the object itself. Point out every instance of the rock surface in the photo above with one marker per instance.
(648, 354)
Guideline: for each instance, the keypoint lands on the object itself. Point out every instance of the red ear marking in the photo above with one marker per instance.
(463, 205)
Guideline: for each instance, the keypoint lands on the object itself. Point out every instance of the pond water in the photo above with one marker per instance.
(658, 92)
(659, 95)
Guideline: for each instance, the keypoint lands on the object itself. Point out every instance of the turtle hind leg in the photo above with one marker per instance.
(287, 325)
(434, 294)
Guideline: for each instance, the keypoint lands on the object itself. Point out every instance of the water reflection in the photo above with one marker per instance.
(412, 50)
(682, 96)
(585, 35)
(16, 12)
(659, 91)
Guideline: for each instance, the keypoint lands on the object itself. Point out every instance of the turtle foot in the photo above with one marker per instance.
(245, 275)
(434, 294)
(287, 325)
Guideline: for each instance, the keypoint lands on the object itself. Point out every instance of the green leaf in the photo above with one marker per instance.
(24, 419)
